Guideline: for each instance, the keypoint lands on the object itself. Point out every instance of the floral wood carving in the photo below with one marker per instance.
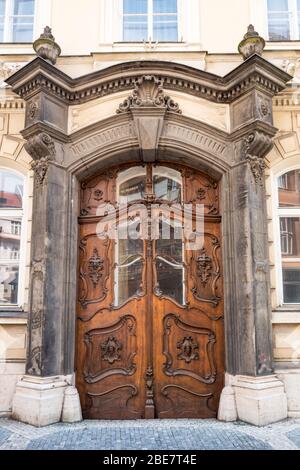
(148, 92)
(204, 267)
(93, 270)
(95, 267)
(207, 273)
(256, 147)
(111, 350)
(189, 349)
(110, 347)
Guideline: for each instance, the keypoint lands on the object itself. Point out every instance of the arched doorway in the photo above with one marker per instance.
(150, 298)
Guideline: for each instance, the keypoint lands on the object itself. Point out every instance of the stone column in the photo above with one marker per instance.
(39, 395)
(260, 397)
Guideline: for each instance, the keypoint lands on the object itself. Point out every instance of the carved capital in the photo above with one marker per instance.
(42, 149)
(148, 92)
(255, 147)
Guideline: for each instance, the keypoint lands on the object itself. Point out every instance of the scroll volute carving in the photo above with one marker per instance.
(96, 192)
(94, 269)
(111, 350)
(201, 190)
(205, 279)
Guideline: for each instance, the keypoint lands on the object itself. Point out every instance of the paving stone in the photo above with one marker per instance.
(150, 435)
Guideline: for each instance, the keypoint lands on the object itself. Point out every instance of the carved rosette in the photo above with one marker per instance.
(188, 349)
(256, 147)
(148, 92)
(42, 149)
(111, 350)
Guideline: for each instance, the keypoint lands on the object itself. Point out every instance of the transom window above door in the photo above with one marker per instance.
(283, 20)
(17, 20)
(150, 20)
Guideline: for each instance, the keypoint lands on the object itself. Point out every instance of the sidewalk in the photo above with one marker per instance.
(150, 435)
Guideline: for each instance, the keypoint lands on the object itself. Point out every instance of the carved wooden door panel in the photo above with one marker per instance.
(150, 305)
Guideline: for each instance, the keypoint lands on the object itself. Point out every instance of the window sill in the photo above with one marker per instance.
(12, 312)
(286, 315)
(282, 45)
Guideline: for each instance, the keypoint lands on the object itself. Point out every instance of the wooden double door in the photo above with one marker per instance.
(150, 297)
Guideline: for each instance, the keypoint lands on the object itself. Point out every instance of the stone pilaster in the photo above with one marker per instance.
(43, 386)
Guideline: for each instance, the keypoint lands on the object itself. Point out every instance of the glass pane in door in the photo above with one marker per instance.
(170, 263)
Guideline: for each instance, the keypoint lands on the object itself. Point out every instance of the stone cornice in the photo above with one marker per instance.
(255, 72)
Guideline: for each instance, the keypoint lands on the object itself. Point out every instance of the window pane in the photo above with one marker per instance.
(165, 28)
(2, 13)
(165, 6)
(135, 6)
(135, 28)
(22, 32)
(279, 20)
(10, 236)
(289, 189)
(169, 263)
(167, 188)
(24, 7)
(23, 19)
(2, 7)
(290, 236)
(132, 190)
(291, 285)
(277, 5)
(11, 190)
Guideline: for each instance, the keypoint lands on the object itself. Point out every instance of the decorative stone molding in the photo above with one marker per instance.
(148, 92)
(46, 47)
(255, 72)
(251, 44)
(42, 149)
(256, 147)
(7, 69)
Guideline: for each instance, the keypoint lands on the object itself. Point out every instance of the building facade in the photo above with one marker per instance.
(149, 103)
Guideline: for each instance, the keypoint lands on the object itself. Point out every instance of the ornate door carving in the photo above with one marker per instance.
(150, 305)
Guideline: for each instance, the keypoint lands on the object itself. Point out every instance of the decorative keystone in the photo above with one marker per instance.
(46, 47)
(252, 43)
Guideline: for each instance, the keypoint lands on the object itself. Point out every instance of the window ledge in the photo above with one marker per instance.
(7, 313)
(286, 315)
(282, 45)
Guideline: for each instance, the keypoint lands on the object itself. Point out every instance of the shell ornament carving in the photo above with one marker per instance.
(148, 92)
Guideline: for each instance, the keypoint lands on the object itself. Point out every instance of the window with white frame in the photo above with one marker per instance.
(17, 20)
(289, 223)
(11, 215)
(155, 20)
(283, 20)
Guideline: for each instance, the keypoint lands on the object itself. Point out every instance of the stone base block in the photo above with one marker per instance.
(291, 381)
(227, 407)
(260, 400)
(39, 400)
(71, 408)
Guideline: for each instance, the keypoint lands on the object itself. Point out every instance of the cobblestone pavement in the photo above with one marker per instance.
(151, 435)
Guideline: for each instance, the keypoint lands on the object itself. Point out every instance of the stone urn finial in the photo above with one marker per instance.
(46, 47)
(252, 43)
